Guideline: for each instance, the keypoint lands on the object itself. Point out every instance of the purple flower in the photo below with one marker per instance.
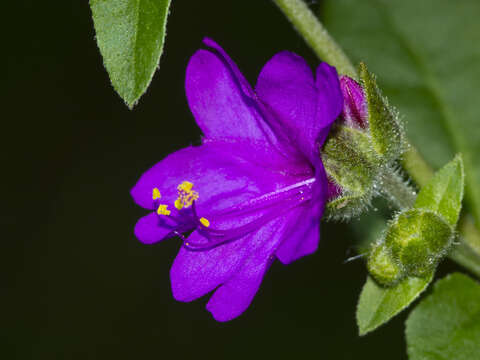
(255, 189)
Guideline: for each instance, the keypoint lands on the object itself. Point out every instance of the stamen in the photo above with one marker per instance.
(217, 237)
(185, 186)
(301, 189)
(204, 222)
(268, 207)
(186, 196)
(156, 194)
(272, 205)
(163, 210)
(178, 204)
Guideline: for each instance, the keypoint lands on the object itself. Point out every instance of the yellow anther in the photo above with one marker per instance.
(163, 210)
(185, 186)
(189, 198)
(186, 196)
(179, 204)
(156, 194)
(205, 222)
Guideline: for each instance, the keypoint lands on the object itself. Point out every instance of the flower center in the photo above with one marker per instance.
(250, 214)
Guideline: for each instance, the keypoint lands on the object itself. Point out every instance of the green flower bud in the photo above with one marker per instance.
(383, 267)
(366, 140)
(418, 239)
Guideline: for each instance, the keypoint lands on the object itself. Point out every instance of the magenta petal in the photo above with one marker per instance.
(195, 273)
(221, 100)
(302, 233)
(330, 99)
(245, 86)
(148, 230)
(233, 297)
(354, 112)
(301, 237)
(219, 172)
(287, 86)
(320, 189)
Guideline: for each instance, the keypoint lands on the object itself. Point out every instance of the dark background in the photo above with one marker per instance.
(78, 284)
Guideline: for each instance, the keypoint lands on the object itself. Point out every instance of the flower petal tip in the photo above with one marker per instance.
(219, 315)
(147, 230)
(178, 290)
(209, 42)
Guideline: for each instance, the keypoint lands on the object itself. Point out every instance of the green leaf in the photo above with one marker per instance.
(426, 57)
(377, 304)
(130, 35)
(446, 324)
(443, 194)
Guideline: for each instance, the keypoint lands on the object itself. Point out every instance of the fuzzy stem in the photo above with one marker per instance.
(396, 190)
(315, 35)
(416, 167)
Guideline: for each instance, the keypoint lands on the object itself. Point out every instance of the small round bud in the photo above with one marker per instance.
(417, 240)
(382, 267)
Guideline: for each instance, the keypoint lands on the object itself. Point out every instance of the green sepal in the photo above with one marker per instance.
(417, 240)
(383, 267)
(385, 128)
(350, 162)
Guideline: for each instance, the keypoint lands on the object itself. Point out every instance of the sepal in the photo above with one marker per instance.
(418, 240)
(350, 163)
(385, 128)
(383, 267)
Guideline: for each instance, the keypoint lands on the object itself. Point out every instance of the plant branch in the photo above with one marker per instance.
(396, 190)
(315, 35)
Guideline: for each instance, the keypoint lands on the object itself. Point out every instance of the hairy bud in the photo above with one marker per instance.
(363, 143)
(418, 238)
(383, 267)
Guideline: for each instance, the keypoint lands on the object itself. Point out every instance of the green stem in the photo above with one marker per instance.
(315, 35)
(396, 190)
(467, 253)
(416, 166)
